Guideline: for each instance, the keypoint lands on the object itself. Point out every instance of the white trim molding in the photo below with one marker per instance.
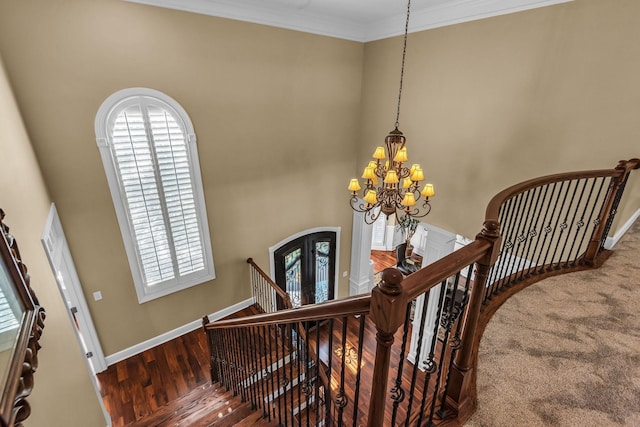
(610, 242)
(305, 16)
(175, 333)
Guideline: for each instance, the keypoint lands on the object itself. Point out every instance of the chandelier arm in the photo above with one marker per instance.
(358, 208)
(370, 217)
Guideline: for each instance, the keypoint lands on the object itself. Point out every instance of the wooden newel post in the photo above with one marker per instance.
(610, 204)
(461, 394)
(213, 367)
(388, 310)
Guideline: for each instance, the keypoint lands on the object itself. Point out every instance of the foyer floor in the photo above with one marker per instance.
(382, 260)
(155, 380)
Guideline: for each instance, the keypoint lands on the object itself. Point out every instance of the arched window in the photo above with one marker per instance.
(148, 149)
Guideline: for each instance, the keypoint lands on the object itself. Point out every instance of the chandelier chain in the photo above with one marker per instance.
(404, 55)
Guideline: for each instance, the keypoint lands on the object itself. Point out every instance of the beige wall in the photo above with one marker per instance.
(63, 394)
(491, 103)
(486, 104)
(275, 113)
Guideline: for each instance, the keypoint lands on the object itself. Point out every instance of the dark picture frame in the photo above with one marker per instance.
(21, 324)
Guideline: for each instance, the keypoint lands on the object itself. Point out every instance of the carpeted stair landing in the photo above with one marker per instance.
(566, 351)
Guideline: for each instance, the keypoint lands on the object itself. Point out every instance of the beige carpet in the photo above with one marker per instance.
(566, 351)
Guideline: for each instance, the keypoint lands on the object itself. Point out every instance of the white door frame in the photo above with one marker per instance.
(59, 256)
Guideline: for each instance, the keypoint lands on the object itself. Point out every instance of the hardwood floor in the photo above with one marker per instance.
(169, 385)
(382, 260)
(161, 379)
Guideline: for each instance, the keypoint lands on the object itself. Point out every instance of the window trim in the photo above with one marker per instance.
(103, 123)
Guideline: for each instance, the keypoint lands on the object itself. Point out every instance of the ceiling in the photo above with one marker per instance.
(358, 20)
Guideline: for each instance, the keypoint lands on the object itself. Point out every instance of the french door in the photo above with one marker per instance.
(305, 268)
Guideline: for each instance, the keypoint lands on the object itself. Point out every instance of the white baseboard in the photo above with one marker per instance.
(175, 333)
(610, 242)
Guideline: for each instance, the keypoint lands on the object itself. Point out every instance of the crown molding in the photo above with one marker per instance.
(289, 16)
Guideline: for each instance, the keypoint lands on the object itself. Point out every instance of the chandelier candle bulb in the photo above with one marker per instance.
(354, 185)
(428, 191)
(391, 178)
(379, 153)
(408, 200)
(370, 197)
(368, 173)
(417, 175)
(401, 155)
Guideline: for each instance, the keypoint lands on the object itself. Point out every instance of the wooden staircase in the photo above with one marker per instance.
(214, 405)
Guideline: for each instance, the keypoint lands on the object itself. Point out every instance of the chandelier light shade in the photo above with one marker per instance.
(389, 185)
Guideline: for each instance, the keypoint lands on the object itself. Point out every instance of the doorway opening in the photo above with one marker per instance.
(305, 266)
(57, 251)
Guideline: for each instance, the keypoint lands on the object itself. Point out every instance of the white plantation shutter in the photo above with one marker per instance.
(154, 162)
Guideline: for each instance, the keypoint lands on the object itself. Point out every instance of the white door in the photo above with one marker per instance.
(57, 250)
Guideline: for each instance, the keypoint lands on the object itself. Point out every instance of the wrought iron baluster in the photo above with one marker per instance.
(258, 365)
(563, 225)
(266, 332)
(614, 210)
(301, 383)
(341, 398)
(456, 342)
(538, 233)
(289, 331)
(531, 233)
(359, 368)
(572, 223)
(571, 256)
(520, 238)
(508, 244)
(225, 361)
(590, 222)
(432, 366)
(414, 374)
(282, 374)
(547, 226)
(252, 365)
(237, 352)
(505, 224)
(397, 392)
(448, 318)
(526, 235)
(552, 229)
(308, 374)
(329, 397)
(243, 363)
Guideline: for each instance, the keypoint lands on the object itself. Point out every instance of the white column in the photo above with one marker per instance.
(360, 280)
(431, 317)
(437, 244)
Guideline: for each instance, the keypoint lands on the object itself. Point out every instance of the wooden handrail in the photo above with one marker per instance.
(433, 274)
(326, 310)
(493, 208)
(285, 297)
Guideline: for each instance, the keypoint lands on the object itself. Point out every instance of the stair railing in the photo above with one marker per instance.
(266, 293)
(426, 326)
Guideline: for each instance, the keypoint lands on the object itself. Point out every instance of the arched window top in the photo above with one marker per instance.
(132, 96)
(148, 149)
